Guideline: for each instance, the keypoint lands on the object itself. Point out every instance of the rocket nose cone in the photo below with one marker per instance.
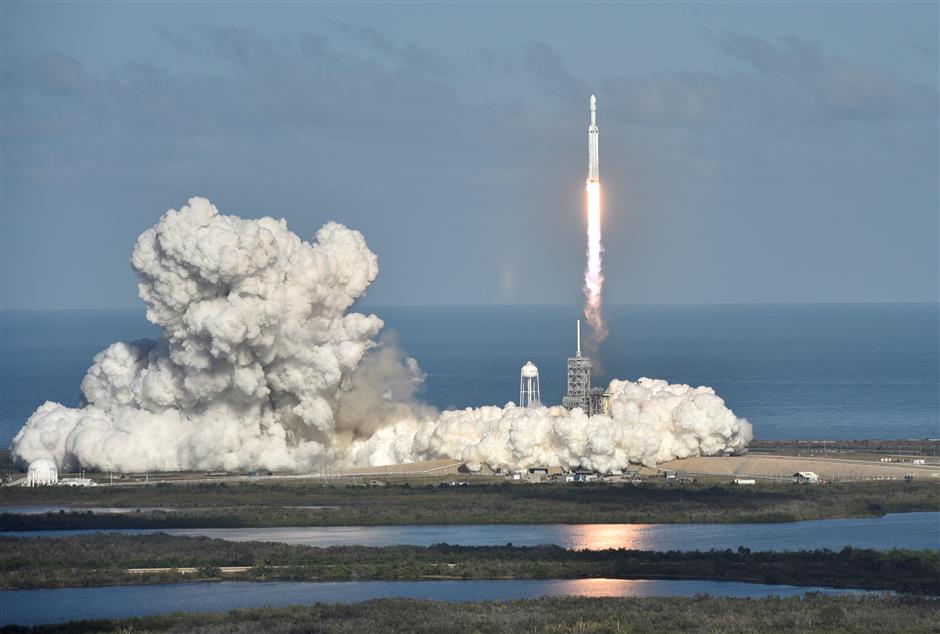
(593, 102)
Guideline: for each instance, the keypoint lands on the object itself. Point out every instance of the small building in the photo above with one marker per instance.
(585, 476)
(536, 474)
(77, 482)
(806, 477)
(744, 481)
(41, 472)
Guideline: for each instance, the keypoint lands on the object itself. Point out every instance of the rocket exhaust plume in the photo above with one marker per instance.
(594, 274)
(262, 364)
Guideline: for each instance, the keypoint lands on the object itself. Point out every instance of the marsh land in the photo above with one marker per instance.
(813, 612)
(114, 559)
(286, 503)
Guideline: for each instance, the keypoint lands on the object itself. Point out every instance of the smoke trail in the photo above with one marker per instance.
(259, 365)
(593, 274)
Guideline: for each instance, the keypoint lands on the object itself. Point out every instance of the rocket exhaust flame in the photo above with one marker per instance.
(593, 274)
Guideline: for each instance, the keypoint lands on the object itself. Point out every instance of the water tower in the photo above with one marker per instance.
(529, 386)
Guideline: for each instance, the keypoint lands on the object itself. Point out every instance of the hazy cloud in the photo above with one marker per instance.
(179, 43)
(792, 55)
(926, 51)
(790, 81)
(677, 99)
(824, 85)
(244, 48)
(498, 61)
(418, 59)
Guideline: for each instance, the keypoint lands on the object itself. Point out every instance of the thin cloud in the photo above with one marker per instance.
(416, 58)
(179, 43)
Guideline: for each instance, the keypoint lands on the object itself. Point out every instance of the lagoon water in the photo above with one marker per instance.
(795, 371)
(896, 530)
(31, 607)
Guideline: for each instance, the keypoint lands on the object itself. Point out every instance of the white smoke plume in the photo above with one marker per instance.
(650, 422)
(261, 366)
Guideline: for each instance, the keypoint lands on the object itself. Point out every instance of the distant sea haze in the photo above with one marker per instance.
(793, 370)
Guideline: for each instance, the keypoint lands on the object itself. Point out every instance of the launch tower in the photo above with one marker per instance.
(580, 393)
(579, 379)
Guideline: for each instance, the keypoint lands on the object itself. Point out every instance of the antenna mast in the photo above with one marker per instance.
(579, 338)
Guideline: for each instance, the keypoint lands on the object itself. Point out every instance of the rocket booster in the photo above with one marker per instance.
(593, 167)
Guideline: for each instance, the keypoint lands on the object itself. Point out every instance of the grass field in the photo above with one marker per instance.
(281, 503)
(812, 613)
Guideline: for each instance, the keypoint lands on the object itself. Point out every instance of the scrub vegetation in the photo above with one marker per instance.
(906, 448)
(811, 613)
(104, 559)
(286, 503)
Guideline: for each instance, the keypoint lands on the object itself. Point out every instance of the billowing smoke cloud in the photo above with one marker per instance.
(261, 366)
(650, 421)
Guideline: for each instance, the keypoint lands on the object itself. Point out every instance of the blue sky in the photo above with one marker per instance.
(780, 152)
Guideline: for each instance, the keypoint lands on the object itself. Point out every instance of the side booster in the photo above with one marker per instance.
(594, 175)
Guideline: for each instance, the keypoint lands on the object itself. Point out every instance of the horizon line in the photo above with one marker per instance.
(368, 306)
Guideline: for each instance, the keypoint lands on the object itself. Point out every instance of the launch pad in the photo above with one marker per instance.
(591, 400)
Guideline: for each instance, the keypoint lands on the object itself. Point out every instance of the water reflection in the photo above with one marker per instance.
(898, 530)
(604, 536)
(577, 536)
(609, 588)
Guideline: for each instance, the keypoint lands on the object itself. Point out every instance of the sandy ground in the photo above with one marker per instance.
(769, 466)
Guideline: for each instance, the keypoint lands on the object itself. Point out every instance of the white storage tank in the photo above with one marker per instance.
(529, 395)
(42, 472)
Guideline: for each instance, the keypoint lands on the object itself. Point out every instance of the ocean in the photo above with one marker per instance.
(793, 370)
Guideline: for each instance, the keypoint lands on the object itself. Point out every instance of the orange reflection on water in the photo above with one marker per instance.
(603, 536)
(606, 587)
